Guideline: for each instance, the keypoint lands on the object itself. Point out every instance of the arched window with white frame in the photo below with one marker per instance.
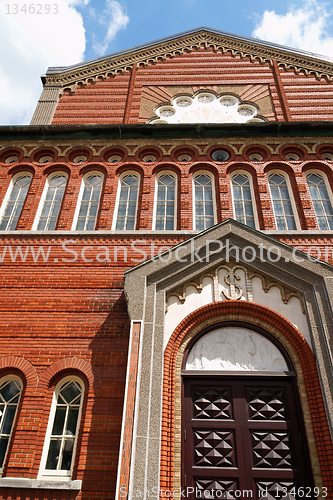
(321, 199)
(10, 392)
(87, 209)
(204, 201)
(14, 201)
(165, 202)
(242, 197)
(284, 209)
(127, 201)
(63, 428)
(49, 207)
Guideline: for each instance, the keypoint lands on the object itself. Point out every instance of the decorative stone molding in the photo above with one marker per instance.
(131, 146)
(237, 47)
(285, 294)
(234, 291)
(235, 348)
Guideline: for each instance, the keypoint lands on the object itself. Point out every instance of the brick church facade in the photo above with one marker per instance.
(166, 258)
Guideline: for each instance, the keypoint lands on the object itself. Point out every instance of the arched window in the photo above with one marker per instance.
(63, 427)
(89, 202)
(127, 202)
(282, 203)
(321, 200)
(14, 201)
(242, 199)
(10, 392)
(47, 215)
(203, 201)
(165, 200)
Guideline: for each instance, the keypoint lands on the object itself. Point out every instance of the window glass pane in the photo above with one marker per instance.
(53, 198)
(10, 391)
(8, 419)
(72, 421)
(204, 206)
(59, 421)
(127, 202)
(53, 455)
(283, 210)
(90, 202)
(15, 203)
(64, 427)
(67, 454)
(242, 196)
(3, 449)
(165, 205)
(321, 200)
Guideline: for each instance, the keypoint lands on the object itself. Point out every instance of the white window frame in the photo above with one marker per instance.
(208, 174)
(175, 177)
(9, 191)
(79, 199)
(322, 174)
(19, 381)
(115, 215)
(42, 200)
(291, 196)
(253, 199)
(60, 474)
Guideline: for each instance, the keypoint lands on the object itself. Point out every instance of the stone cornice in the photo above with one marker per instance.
(242, 48)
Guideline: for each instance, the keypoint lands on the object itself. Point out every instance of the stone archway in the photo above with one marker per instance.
(242, 425)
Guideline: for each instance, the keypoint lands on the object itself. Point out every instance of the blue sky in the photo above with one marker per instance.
(66, 32)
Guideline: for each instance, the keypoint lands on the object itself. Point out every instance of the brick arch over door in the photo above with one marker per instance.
(318, 434)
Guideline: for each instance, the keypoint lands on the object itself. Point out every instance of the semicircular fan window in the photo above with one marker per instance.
(205, 107)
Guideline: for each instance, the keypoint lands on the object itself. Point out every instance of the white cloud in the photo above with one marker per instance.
(115, 19)
(30, 43)
(303, 28)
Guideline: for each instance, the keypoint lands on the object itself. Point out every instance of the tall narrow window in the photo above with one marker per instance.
(48, 216)
(63, 427)
(127, 204)
(165, 202)
(87, 217)
(10, 391)
(203, 202)
(283, 210)
(15, 202)
(321, 201)
(242, 199)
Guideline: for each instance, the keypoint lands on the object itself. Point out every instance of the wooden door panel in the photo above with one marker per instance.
(242, 434)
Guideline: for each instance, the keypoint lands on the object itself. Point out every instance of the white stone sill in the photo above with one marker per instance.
(41, 484)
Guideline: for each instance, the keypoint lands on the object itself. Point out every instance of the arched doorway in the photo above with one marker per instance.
(242, 426)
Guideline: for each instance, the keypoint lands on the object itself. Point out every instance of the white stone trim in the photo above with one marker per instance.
(44, 484)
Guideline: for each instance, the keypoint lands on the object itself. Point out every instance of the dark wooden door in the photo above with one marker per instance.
(242, 434)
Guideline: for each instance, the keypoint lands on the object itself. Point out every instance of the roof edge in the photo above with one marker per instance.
(62, 69)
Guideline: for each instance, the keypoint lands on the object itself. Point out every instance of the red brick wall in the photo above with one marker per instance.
(59, 318)
(107, 101)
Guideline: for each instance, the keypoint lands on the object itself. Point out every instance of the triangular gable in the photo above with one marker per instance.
(70, 77)
(205, 269)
